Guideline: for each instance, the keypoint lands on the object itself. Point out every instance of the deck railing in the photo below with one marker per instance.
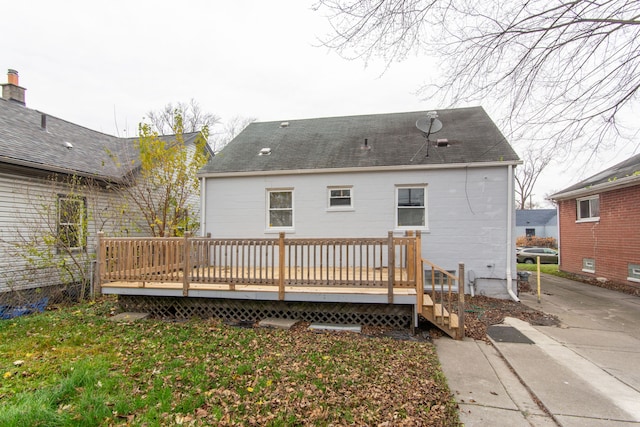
(389, 262)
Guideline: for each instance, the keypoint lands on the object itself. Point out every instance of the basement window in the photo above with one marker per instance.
(634, 273)
(441, 279)
(588, 265)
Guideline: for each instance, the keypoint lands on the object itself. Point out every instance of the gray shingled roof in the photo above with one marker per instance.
(24, 142)
(336, 142)
(622, 173)
(534, 217)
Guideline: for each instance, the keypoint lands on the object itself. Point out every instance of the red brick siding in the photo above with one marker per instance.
(613, 242)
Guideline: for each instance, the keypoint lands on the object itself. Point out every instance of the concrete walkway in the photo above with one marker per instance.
(584, 373)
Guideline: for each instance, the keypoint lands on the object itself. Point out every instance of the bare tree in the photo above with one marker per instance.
(535, 161)
(565, 71)
(163, 121)
(230, 130)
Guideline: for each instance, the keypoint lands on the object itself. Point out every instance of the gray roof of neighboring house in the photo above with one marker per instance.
(622, 174)
(535, 217)
(63, 147)
(338, 142)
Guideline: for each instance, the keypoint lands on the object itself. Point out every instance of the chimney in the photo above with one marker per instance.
(12, 91)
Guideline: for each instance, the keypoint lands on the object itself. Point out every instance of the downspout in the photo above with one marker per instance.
(203, 207)
(510, 251)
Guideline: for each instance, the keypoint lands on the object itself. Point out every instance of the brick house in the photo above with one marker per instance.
(599, 224)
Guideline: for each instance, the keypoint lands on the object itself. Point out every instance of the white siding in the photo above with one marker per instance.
(29, 204)
(466, 213)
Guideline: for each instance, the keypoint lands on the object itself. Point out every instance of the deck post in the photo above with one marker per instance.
(186, 265)
(100, 255)
(391, 268)
(461, 308)
(411, 260)
(281, 255)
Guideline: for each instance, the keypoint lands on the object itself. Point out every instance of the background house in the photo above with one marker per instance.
(58, 183)
(537, 222)
(363, 176)
(599, 231)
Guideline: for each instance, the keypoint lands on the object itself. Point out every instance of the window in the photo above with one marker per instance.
(340, 198)
(441, 279)
(71, 222)
(588, 265)
(411, 207)
(280, 208)
(634, 273)
(588, 209)
(530, 232)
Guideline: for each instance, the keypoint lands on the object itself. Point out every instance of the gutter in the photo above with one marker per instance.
(615, 184)
(510, 251)
(357, 169)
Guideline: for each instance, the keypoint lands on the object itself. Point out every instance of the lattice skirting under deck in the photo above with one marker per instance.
(397, 316)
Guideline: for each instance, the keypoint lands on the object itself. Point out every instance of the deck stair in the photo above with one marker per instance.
(440, 304)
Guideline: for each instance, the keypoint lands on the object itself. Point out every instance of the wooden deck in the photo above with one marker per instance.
(363, 270)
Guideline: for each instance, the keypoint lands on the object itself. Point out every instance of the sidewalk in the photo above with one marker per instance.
(584, 373)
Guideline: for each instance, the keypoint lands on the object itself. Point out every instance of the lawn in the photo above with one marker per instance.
(73, 366)
(544, 268)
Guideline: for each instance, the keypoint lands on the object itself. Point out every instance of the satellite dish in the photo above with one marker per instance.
(429, 125)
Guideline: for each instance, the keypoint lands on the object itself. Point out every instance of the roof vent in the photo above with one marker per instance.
(265, 152)
(442, 143)
(68, 145)
(284, 124)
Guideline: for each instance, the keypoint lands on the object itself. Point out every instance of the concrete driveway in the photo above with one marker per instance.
(584, 373)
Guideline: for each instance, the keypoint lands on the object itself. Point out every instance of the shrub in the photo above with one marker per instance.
(543, 242)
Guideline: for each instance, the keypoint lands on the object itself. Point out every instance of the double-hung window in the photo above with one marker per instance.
(71, 222)
(340, 198)
(588, 208)
(411, 206)
(280, 208)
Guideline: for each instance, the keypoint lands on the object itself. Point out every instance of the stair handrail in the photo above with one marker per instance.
(447, 305)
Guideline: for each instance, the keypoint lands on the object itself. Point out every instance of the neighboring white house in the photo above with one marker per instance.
(45, 163)
(537, 223)
(363, 176)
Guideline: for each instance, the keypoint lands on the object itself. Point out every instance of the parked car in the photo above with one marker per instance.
(529, 255)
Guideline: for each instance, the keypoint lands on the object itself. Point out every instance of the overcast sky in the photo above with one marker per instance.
(104, 64)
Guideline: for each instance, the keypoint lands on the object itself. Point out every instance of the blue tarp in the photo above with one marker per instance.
(9, 311)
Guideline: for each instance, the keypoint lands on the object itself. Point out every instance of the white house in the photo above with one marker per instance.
(57, 178)
(537, 223)
(363, 176)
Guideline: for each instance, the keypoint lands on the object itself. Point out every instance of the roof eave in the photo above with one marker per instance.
(358, 169)
(615, 184)
(59, 170)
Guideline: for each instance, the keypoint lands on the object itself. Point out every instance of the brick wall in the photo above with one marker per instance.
(613, 242)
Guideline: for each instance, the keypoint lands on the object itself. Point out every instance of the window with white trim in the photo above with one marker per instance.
(280, 208)
(340, 198)
(588, 208)
(411, 206)
(588, 265)
(72, 219)
(634, 273)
